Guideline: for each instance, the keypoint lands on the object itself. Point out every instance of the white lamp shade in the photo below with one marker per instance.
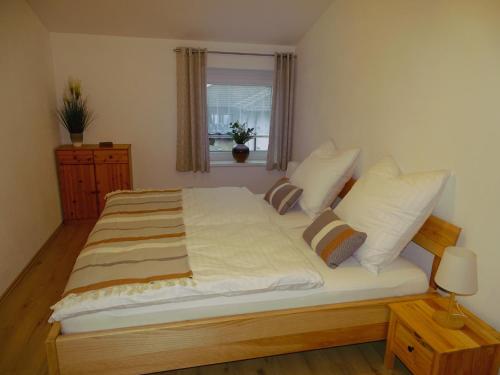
(457, 271)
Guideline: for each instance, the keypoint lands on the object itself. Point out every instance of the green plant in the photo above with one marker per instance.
(240, 133)
(74, 114)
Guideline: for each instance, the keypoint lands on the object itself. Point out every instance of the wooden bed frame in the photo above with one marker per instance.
(162, 347)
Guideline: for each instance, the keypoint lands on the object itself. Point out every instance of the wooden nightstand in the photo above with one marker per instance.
(427, 348)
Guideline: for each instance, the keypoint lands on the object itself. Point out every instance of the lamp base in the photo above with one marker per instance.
(447, 320)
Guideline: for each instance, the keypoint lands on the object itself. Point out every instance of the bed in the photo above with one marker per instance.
(309, 311)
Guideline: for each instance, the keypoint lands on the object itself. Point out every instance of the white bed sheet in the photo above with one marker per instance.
(349, 282)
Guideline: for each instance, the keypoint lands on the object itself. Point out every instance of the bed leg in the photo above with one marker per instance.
(51, 349)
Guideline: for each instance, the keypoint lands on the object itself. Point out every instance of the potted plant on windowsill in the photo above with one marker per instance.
(241, 135)
(74, 113)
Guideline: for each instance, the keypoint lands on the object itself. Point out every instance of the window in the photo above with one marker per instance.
(238, 95)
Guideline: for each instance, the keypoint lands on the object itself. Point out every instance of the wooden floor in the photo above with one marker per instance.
(25, 310)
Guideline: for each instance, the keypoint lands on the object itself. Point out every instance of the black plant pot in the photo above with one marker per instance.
(240, 153)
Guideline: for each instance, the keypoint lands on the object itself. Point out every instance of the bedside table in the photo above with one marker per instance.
(427, 348)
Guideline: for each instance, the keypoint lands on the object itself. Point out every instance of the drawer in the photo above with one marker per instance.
(75, 156)
(415, 353)
(111, 156)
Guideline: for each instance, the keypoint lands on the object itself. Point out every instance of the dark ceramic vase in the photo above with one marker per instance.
(240, 153)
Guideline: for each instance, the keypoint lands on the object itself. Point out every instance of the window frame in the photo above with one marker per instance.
(238, 77)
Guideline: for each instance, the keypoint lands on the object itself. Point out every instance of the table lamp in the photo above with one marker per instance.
(457, 274)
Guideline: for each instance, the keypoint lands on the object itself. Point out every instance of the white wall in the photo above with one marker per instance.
(419, 80)
(131, 84)
(29, 195)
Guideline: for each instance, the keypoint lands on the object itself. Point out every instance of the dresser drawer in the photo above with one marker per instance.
(111, 156)
(415, 353)
(75, 157)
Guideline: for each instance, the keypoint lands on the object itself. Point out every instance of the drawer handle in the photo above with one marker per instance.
(410, 348)
(421, 341)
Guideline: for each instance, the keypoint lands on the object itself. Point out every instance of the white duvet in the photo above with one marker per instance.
(234, 248)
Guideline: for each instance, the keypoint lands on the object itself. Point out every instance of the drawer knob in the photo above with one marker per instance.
(410, 348)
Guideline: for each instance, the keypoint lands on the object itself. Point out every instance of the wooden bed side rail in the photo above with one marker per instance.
(51, 349)
(435, 235)
(177, 345)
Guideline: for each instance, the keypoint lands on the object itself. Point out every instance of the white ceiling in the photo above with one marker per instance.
(246, 21)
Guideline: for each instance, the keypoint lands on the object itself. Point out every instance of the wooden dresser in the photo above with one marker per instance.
(87, 174)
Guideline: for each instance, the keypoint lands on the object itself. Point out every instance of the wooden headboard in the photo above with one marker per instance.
(435, 235)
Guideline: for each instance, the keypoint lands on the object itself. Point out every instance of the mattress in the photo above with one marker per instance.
(349, 282)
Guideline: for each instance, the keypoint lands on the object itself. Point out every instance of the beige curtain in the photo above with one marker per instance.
(281, 129)
(192, 132)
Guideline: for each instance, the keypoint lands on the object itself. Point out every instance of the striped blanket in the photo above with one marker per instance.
(139, 238)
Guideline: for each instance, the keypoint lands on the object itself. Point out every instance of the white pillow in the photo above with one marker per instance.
(322, 175)
(390, 207)
(326, 150)
(291, 167)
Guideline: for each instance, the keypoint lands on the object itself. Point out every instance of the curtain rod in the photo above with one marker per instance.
(235, 53)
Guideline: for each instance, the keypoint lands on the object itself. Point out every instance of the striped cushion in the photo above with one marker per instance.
(283, 195)
(332, 239)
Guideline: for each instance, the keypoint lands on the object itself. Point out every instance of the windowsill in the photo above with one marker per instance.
(232, 163)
